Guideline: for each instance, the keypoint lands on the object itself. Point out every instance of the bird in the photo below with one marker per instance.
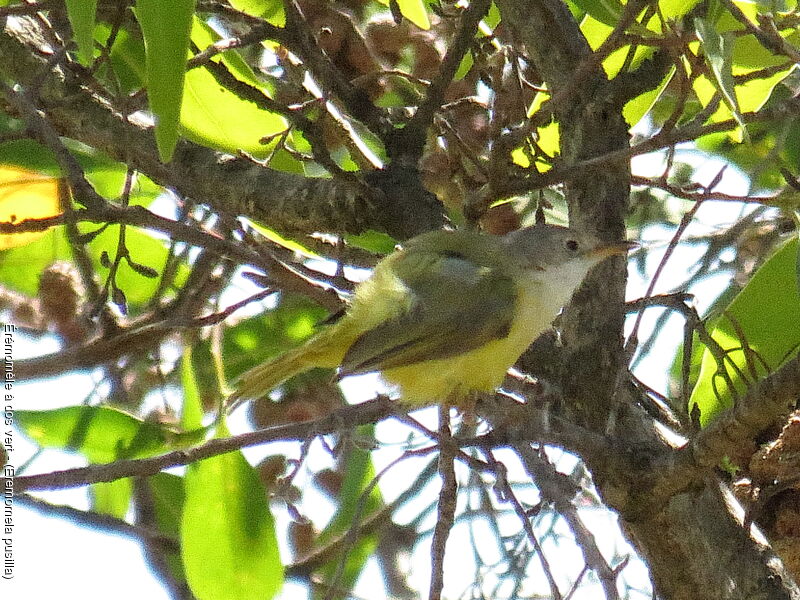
(446, 314)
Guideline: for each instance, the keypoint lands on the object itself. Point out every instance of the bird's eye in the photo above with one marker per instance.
(571, 245)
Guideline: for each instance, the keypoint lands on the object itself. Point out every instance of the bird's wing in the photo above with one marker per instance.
(456, 305)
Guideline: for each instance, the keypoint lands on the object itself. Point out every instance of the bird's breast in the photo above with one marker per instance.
(481, 369)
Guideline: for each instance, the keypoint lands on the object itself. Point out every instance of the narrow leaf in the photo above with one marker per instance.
(353, 507)
(167, 493)
(229, 545)
(100, 433)
(764, 313)
(192, 410)
(81, 14)
(165, 27)
(718, 50)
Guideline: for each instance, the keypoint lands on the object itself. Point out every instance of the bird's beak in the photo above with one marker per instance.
(616, 249)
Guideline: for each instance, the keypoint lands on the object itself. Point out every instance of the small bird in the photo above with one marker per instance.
(446, 314)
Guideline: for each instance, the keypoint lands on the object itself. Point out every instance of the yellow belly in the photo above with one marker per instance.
(451, 379)
(482, 369)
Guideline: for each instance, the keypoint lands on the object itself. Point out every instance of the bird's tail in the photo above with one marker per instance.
(320, 351)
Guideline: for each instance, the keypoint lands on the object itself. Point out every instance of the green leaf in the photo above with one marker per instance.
(373, 241)
(577, 12)
(81, 14)
(229, 546)
(466, 64)
(128, 61)
(718, 50)
(607, 12)
(674, 9)
(638, 107)
(112, 498)
(284, 241)
(416, 12)
(192, 408)
(596, 32)
(358, 474)
(218, 118)
(29, 154)
(548, 137)
(753, 94)
(357, 556)
(100, 433)
(106, 176)
(492, 18)
(748, 58)
(757, 156)
(413, 10)
(20, 267)
(765, 312)
(165, 27)
(168, 496)
(144, 249)
(696, 358)
(270, 10)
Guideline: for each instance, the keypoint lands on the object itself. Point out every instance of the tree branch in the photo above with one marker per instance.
(764, 404)
(355, 100)
(407, 144)
(100, 521)
(347, 417)
(294, 204)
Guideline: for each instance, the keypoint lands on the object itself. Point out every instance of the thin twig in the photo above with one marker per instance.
(100, 522)
(81, 188)
(280, 274)
(633, 338)
(347, 417)
(264, 31)
(691, 131)
(763, 403)
(410, 141)
(447, 503)
(769, 38)
(510, 496)
(558, 490)
(701, 194)
(300, 40)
